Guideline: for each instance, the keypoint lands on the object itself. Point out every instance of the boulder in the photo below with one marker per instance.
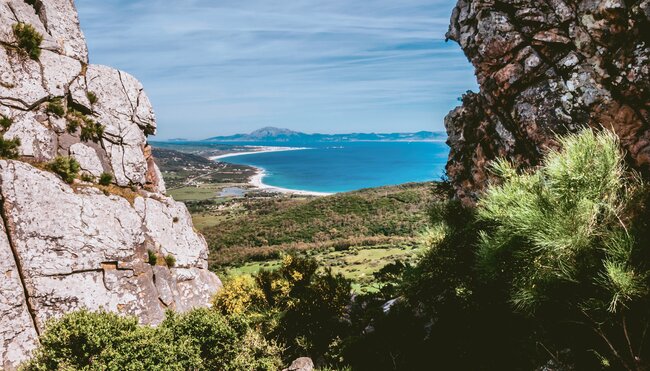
(301, 364)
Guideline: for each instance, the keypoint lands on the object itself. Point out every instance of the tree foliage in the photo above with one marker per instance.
(202, 339)
(561, 240)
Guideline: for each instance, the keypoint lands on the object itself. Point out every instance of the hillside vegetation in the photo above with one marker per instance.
(378, 216)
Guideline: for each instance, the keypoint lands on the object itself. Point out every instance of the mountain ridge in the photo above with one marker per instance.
(274, 134)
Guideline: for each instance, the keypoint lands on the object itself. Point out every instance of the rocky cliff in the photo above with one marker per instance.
(82, 245)
(548, 67)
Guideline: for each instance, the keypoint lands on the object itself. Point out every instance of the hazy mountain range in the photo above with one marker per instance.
(272, 134)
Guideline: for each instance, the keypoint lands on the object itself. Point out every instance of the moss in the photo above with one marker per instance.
(5, 122)
(29, 40)
(55, 107)
(106, 179)
(66, 167)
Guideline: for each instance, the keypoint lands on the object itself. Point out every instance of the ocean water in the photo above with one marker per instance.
(342, 167)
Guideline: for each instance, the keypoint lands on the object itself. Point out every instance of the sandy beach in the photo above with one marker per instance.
(256, 180)
(258, 150)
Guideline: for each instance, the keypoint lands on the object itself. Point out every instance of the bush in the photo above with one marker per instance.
(312, 304)
(87, 177)
(85, 340)
(105, 179)
(66, 167)
(5, 122)
(55, 107)
(170, 260)
(559, 240)
(9, 148)
(91, 131)
(152, 257)
(225, 343)
(198, 340)
(238, 296)
(92, 97)
(29, 40)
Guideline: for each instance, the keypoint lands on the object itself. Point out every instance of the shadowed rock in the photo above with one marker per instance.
(547, 67)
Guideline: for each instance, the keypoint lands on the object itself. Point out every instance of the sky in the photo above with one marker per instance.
(330, 66)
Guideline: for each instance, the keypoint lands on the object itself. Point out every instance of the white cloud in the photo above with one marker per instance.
(215, 67)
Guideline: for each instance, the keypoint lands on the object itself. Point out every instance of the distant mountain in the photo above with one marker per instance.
(272, 134)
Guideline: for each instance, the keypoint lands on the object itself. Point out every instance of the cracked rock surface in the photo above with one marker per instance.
(67, 247)
(548, 67)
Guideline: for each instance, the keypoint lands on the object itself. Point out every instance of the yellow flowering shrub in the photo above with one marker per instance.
(238, 295)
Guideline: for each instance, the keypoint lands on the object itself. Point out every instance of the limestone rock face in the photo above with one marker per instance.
(67, 247)
(548, 67)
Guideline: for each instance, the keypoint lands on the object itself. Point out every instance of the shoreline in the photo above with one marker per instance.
(261, 149)
(256, 181)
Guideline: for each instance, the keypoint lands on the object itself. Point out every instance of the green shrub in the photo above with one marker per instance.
(55, 107)
(87, 177)
(152, 257)
(9, 148)
(545, 225)
(29, 40)
(105, 179)
(559, 239)
(313, 303)
(74, 341)
(225, 343)
(91, 131)
(5, 122)
(198, 340)
(92, 97)
(66, 167)
(170, 260)
(72, 126)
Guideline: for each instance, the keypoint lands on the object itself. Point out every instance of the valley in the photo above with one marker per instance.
(355, 233)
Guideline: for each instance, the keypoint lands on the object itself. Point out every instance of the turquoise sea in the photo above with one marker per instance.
(342, 167)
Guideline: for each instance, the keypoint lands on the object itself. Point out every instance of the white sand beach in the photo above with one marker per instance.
(257, 182)
(257, 150)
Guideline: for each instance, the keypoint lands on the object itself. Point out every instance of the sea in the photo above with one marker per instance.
(342, 167)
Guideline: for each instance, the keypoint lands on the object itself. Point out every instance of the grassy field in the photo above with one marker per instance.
(355, 263)
(185, 173)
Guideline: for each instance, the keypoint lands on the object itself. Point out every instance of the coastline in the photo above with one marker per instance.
(256, 181)
(260, 150)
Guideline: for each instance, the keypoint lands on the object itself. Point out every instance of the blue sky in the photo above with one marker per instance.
(329, 66)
